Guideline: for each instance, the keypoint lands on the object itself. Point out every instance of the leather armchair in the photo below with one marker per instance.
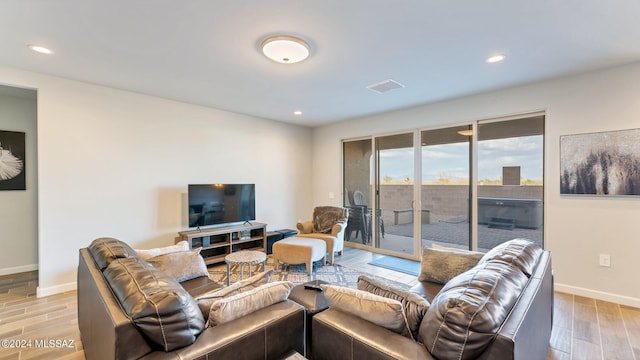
(333, 235)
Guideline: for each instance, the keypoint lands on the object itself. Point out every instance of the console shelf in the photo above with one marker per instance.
(216, 243)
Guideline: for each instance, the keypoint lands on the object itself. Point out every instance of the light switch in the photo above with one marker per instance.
(605, 260)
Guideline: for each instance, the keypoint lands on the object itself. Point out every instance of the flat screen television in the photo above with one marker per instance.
(218, 204)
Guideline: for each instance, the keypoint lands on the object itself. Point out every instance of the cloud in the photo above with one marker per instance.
(453, 159)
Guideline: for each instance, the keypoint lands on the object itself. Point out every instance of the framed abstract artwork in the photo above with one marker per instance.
(12, 161)
(603, 163)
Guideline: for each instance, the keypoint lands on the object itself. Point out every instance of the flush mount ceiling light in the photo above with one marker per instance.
(285, 49)
(496, 58)
(40, 49)
(297, 113)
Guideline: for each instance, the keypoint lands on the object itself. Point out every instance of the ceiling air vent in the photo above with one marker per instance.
(385, 86)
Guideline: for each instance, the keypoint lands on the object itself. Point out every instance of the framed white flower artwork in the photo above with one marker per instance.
(12, 160)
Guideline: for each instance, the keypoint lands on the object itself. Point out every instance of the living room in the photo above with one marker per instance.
(104, 161)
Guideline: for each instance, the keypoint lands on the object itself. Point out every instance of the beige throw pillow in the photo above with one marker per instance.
(379, 310)
(236, 306)
(414, 305)
(147, 254)
(440, 266)
(183, 265)
(206, 300)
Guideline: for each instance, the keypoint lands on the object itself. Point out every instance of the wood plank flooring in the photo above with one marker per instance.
(28, 324)
(584, 328)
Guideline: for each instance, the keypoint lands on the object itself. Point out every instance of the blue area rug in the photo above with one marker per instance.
(398, 264)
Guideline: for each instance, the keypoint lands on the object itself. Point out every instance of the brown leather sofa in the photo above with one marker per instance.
(502, 308)
(156, 318)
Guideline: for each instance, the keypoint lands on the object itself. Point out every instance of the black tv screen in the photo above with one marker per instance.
(215, 204)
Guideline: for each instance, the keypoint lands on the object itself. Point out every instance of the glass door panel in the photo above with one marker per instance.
(510, 181)
(445, 190)
(393, 216)
(357, 189)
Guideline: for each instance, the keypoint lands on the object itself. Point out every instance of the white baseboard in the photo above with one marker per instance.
(52, 290)
(600, 295)
(18, 269)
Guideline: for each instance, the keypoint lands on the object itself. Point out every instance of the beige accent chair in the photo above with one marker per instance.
(329, 224)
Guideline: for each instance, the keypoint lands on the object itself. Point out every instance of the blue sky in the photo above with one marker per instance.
(451, 160)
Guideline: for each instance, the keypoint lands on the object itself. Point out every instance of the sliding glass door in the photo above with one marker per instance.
(395, 182)
(446, 210)
(436, 208)
(510, 185)
(415, 189)
(357, 162)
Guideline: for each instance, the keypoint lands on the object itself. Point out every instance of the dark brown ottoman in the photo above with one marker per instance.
(313, 302)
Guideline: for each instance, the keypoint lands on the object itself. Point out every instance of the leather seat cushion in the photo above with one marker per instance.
(426, 289)
(105, 250)
(200, 286)
(467, 313)
(157, 304)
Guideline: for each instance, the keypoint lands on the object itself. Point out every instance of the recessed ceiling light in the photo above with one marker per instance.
(297, 112)
(496, 58)
(285, 49)
(41, 49)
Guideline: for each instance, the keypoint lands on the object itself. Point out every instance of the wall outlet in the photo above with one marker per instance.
(331, 195)
(605, 260)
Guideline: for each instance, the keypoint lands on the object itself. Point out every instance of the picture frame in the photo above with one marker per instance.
(12, 160)
(600, 163)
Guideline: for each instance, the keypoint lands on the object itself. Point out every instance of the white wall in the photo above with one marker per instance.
(18, 209)
(577, 229)
(116, 163)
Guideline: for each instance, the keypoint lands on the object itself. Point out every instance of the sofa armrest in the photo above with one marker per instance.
(338, 335)
(106, 331)
(305, 227)
(526, 331)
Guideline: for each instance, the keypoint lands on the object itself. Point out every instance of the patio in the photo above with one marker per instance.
(451, 233)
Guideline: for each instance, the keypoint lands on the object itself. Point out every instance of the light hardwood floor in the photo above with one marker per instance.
(28, 323)
(584, 328)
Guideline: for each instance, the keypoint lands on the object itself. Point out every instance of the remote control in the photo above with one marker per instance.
(312, 287)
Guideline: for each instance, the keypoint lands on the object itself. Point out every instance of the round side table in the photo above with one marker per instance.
(242, 258)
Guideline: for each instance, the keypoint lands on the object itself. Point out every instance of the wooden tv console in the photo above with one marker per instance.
(218, 242)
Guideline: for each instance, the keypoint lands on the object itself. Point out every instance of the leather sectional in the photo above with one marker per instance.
(129, 310)
(502, 308)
